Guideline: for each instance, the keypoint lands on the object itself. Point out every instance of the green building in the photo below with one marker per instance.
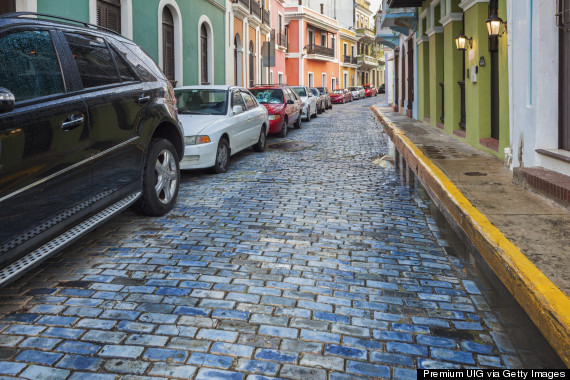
(185, 37)
(461, 90)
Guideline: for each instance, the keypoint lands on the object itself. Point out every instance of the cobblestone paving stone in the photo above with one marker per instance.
(313, 264)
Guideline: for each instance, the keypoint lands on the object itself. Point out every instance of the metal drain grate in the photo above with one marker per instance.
(66, 238)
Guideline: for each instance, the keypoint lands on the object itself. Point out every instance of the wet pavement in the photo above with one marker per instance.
(313, 260)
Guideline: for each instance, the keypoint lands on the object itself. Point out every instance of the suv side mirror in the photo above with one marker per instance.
(290, 101)
(7, 100)
(237, 110)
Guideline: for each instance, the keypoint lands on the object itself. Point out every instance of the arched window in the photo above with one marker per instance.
(109, 14)
(237, 60)
(204, 53)
(251, 65)
(168, 44)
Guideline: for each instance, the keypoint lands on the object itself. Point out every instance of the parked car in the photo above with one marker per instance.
(325, 92)
(370, 90)
(283, 105)
(382, 89)
(320, 99)
(357, 92)
(309, 101)
(219, 121)
(88, 127)
(341, 95)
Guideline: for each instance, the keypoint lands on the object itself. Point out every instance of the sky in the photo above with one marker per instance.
(374, 5)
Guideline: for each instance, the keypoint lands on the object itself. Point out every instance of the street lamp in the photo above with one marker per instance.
(462, 42)
(396, 51)
(305, 50)
(494, 25)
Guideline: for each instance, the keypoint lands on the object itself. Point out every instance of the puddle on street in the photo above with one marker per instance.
(511, 319)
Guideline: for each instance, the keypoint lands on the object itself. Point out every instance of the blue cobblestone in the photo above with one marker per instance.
(350, 352)
(80, 348)
(165, 355)
(391, 359)
(11, 368)
(436, 341)
(392, 335)
(366, 369)
(39, 357)
(212, 374)
(320, 336)
(80, 363)
(200, 359)
(454, 356)
(406, 348)
(232, 349)
(277, 356)
(40, 372)
(62, 332)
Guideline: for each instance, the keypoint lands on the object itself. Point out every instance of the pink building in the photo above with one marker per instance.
(278, 73)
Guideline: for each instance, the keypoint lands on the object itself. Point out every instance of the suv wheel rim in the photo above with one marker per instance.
(165, 176)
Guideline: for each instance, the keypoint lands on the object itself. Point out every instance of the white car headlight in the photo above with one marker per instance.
(193, 140)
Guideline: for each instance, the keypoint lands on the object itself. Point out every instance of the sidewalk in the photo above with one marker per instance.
(523, 237)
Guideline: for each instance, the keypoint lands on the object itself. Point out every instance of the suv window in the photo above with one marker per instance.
(94, 60)
(29, 65)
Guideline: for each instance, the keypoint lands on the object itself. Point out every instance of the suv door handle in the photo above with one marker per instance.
(144, 99)
(72, 122)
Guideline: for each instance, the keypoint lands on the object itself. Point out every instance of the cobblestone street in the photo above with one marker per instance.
(309, 261)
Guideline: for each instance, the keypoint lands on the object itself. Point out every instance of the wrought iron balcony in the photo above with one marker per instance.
(349, 59)
(365, 33)
(282, 40)
(320, 50)
(266, 17)
(245, 3)
(255, 8)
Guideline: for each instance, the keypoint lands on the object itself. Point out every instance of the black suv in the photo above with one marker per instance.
(88, 127)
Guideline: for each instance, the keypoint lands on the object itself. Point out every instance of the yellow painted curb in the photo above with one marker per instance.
(544, 302)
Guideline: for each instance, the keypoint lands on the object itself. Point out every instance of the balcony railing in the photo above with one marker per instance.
(245, 3)
(265, 17)
(282, 40)
(367, 60)
(349, 59)
(365, 32)
(255, 8)
(321, 50)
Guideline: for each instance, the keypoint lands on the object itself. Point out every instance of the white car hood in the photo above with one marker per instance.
(194, 124)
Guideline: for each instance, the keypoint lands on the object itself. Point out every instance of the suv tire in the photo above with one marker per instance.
(161, 168)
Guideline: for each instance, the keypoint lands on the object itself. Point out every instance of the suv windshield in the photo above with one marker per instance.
(314, 91)
(268, 96)
(202, 102)
(300, 90)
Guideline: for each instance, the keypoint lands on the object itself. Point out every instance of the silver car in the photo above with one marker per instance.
(358, 92)
(309, 101)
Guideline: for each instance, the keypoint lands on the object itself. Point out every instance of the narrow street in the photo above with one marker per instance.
(312, 260)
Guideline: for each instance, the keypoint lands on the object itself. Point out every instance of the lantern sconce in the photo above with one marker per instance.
(494, 23)
(396, 51)
(462, 42)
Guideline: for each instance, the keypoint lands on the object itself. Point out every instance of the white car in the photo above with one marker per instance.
(218, 122)
(309, 101)
(358, 92)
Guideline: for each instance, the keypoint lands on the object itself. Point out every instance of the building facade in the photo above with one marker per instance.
(278, 73)
(347, 58)
(185, 39)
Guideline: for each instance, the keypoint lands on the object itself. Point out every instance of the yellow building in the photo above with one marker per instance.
(347, 58)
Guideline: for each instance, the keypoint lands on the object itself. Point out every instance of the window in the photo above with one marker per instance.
(249, 100)
(280, 78)
(204, 53)
(280, 30)
(30, 67)
(322, 9)
(311, 80)
(94, 60)
(324, 80)
(168, 43)
(109, 14)
(345, 49)
(323, 39)
(352, 50)
(237, 100)
(251, 65)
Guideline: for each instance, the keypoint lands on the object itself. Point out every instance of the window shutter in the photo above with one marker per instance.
(109, 14)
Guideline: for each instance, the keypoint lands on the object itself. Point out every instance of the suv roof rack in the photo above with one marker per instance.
(58, 18)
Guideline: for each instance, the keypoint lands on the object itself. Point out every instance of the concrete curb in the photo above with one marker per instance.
(545, 304)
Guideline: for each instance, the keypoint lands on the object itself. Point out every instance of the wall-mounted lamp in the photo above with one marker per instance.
(305, 50)
(494, 25)
(396, 51)
(462, 42)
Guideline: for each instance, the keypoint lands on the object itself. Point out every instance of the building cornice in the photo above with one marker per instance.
(422, 40)
(312, 20)
(450, 17)
(217, 5)
(239, 11)
(436, 29)
(466, 4)
(423, 14)
(348, 37)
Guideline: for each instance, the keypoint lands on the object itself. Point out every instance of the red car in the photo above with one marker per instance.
(341, 95)
(283, 106)
(370, 90)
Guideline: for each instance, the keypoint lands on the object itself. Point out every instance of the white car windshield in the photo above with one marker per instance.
(202, 101)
